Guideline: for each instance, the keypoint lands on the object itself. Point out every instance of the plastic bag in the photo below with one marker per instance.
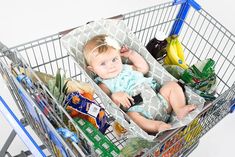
(136, 147)
(174, 70)
(201, 76)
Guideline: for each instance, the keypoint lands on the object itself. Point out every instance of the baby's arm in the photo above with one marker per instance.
(139, 63)
(118, 97)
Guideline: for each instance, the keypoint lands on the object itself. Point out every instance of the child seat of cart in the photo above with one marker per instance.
(74, 41)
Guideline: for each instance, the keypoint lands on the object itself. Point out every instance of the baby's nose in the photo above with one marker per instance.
(111, 64)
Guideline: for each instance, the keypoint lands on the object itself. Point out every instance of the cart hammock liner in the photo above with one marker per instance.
(117, 29)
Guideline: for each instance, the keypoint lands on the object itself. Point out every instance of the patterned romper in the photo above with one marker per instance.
(154, 106)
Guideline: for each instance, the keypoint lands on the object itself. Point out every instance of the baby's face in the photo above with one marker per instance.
(106, 65)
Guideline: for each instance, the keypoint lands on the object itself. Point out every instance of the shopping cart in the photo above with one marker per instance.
(202, 37)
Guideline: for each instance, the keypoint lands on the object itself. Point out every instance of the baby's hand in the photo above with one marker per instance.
(125, 51)
(163, 126)
(122, 98)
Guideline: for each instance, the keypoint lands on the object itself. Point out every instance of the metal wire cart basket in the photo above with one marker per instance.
(201, 35)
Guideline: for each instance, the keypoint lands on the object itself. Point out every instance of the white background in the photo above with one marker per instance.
(26, 20)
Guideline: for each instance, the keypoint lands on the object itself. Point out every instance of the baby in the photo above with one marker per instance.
(122, 82)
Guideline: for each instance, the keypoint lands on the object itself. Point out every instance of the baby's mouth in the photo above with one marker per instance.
(113, 72)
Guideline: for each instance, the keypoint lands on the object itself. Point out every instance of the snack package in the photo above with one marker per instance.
(80, 106)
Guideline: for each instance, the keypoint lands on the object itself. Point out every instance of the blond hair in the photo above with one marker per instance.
(100, 44)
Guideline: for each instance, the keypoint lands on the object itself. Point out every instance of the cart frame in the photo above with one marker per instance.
(199, 33)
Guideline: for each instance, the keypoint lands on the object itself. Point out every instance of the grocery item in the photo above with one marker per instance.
(118, 129)
(174, 70)
(58, 86)
(102, 145)
(201, 76)
(88, 110)
(157, 48)
(66, 133)
(136, 146)
(175, 54)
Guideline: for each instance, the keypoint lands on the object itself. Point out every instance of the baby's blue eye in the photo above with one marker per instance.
(103, 63)
(114, 59)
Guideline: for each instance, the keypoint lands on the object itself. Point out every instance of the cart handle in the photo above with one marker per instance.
(182, 14)
(192, 3)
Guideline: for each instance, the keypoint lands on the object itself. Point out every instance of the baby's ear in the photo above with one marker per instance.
(90, 68)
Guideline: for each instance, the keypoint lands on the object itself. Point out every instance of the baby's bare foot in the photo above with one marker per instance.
(185, 110)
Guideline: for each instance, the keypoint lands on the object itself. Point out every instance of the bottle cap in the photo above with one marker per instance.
(160, 36)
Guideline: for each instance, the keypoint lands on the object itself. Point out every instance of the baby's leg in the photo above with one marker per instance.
(150, 126)
(174, 94)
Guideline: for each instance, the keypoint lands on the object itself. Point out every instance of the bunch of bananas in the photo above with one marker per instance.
(175, 53)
